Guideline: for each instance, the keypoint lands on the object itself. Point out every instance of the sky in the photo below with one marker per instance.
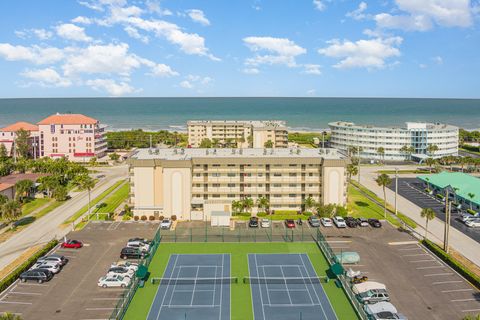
(306, 48)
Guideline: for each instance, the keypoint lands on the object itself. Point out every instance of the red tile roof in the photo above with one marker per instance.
(20, 125)
(5, 186)
(68, 119)
(14, 178)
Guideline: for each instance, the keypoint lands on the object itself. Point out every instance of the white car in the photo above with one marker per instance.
(265, 223)
(125, 264)
(473, 223)
(120, 271)
(326, 222)
(114, 281)
(166, 224)
(139, 245)
(50, 266)
(468, 216)
(339, 222)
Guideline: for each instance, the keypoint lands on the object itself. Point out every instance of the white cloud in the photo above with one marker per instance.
(359, 13)
(311, 92)
(41, 34)
(319, 4)
(186, 84)
(198, 16)
(113, 88)
(422, 66)
(162, 70)
(281, 51)
(47, 77)
(34, 54)
(132, 32)
(70, 31)
(312, 69)
(422, 15)
(251, 71)
(82, 20)
(154, 6)
(99, 5)
(192, 81)
(371, 54)
(438, 60)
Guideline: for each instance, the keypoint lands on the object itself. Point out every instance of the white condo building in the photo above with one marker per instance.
(414, 135)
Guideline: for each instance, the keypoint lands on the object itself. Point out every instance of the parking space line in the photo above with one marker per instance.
(427, 260)
(33, 284)
(15, 302)
(456, 290)
(463, 300)
(406, 249)
(445, 282)
(98, 309)
(25, 293)
(401, 243)
(416, 254)
(432, 267)
(438, 274)
(471, 310)
(98, 299)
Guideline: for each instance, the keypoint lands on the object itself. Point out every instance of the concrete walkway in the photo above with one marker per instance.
(458, 240)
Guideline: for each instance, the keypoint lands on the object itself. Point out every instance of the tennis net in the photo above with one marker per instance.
(193, 281)
(284, 280)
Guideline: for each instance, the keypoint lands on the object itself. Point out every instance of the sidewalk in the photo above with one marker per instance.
(458, 240)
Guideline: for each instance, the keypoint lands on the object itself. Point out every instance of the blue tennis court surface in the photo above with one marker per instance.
(283, 294)
(187, 298)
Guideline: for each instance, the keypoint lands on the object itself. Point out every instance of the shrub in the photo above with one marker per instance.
(144, 218)
(261, 214)
(151, 218)
(10, 278)
(341, 211)
(173, 217)
(161, 218)
(471, 211)
(307, 213)
(440, 196)
(135, 218)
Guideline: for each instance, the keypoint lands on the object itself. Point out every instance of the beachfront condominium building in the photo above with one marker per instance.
(416, 140)
(8, 138)
(192, 183)
(73, 136)
(243, 134)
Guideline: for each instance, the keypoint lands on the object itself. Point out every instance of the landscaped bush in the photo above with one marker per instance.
(9, 279)
(174, 217)
(135, 218)
(151, 218)
(161, 218)
(341, 211)
(261, 214)
(456, 265)
(307, 213)
(471, 211)
(427, 190)
(440, 196)
(144, 218)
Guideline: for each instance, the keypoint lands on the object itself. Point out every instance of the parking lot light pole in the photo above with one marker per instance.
(446, 235)
(396, 189)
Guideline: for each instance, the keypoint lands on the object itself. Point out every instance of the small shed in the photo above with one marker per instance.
(220, 219)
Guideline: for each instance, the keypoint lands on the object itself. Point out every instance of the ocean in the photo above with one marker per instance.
(302, 114)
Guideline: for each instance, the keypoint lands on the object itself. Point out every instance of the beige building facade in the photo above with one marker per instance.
(193, 183)
(245, 134)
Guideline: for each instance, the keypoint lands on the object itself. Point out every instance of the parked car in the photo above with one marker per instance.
(253, 222)
(74, 244)
(132, 253)
(339, 222)
(125, 264)
(265, 223)
(166, 224)
(139, 245)
(121, 271)
(289, 223)
(146, 241)
(383, 311)
(314, 221)
(467, 216)
(362, 222)
(114, 281)
(351, 222)
(373, 296)
(39, 275)
(473, 223)
(55, 258)
(326, 222)
(53, 267)
(374, 223)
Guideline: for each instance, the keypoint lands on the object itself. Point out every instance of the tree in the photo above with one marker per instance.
(326, 211)
(250, 140)
(60, 193)
(114, 156)
(10, 316)
(431, 149)
(215, 143)
(3, 152)
(263, 203)
(352, 170)
(22, 189)
(248, 204)
(3, 199)
(268, 144)
(85, 182)
(407, 151)
(430, 162)
(11, 210)
(21, 143)
(206, 143)
(309, 203)
(471, 196)
(381, 153)
(49, 183)
(383, 180)
(428, 214)
(237, 206)
(93, 161)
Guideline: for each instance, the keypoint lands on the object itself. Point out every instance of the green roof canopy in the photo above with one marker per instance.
(464, 183)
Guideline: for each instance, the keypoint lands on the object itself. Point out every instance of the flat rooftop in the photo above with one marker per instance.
(253, 123)
(408, 126)
(190, 153)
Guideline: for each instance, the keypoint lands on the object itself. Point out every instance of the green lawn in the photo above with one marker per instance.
(241, 308)
(111, 203)
(33, 205)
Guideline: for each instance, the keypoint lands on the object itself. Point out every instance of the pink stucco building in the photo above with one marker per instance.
(8, 136)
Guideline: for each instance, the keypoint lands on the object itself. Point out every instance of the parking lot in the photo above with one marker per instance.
(412, 189)
(420, 285)
(73, 293)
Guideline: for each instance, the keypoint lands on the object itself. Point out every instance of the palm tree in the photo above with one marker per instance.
(248, 204)
(431, 149)
(471, 196)
(407, 151)
(381, 152)
(352, 170)
(383, 180)
(237, 206)
(428, 214)
(268, 144)
(309, 203)
(10, 316)
(11, 210)
(85, 182)
(22, 189)
(430, 162)
(263, 203)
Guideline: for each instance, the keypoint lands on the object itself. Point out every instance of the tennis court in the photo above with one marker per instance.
(285, 286)
(194, 286)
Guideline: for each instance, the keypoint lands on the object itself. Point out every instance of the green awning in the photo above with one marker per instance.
(337, 269)
(142, 272)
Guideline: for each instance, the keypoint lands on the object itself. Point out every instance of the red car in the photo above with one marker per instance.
(290, 223)
(74, 244)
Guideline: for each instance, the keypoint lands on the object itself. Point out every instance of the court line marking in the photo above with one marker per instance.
(306, 286)
(166, 291)
(259, 287)
(325, 295)
(221, 288)
(193, 291)
(286, 286)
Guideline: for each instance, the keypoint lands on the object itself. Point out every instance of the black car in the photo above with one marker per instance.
(253, 223)
(374, 223)
(39, 275)
(351, 222)
(132, 253)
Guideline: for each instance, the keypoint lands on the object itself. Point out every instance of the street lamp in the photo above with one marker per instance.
(396, 188)
(448, 189)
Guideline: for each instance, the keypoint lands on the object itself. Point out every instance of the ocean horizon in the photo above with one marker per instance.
(301, 114)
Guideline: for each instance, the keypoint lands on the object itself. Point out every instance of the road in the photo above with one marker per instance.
(48, 227)
(462, 243)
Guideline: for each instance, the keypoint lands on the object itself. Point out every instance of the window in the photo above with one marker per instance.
(198, 175)
(216, 165)
(231, 174)
(215, 196)
(292, 185)
(215, 174)
(276, 174)
(216, 185)
(292, 195)
(277, 185)
(292, 174)
(231, 185)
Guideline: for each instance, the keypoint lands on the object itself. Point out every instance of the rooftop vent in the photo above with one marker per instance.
(175, 151)
(182, 151)
(264, 151)
(298, 150)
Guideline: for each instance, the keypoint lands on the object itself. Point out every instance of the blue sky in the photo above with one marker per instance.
(324, 48)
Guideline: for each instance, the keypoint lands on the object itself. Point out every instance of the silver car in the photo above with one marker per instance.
(373, 296)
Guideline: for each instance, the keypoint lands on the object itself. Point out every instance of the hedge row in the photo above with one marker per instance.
(452, 262)
(8, 280)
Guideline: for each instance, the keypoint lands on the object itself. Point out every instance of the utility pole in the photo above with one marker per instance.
(150, 141)
(446, 234)
(396, 189)
(358, 153)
